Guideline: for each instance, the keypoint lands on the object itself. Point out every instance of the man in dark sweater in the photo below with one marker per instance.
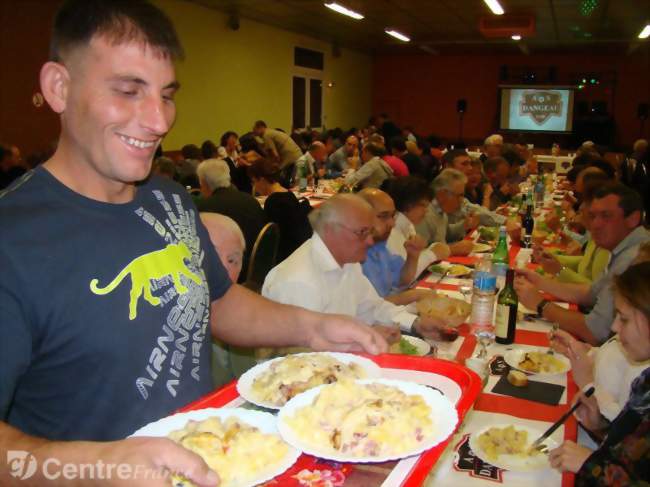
(220, 196)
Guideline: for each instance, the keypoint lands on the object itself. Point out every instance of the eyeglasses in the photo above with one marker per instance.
(457, 195)
(361, 233)
(386, 215)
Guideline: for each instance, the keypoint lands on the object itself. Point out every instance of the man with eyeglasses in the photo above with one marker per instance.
(324, 274)
(449, 193)
(391, 273)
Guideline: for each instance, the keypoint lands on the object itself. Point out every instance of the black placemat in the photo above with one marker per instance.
(534, 391)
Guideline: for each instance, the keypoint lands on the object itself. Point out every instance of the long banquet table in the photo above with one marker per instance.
(452, 463)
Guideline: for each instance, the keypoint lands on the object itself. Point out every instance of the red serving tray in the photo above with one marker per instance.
(469, 383)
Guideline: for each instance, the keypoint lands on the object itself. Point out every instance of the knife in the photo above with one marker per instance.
(560, 421)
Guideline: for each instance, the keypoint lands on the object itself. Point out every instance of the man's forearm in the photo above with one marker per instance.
(566, 291)
(41, 450)
(243, 318)
(570, 321)
(409, 270)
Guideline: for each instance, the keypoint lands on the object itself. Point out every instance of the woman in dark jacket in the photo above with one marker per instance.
(281, 206)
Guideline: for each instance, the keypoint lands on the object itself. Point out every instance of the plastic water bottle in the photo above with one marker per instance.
(482, 319)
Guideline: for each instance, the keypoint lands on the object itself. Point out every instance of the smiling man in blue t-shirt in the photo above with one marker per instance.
(110, 289)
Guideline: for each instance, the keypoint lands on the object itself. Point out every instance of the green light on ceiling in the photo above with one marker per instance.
(587, 7)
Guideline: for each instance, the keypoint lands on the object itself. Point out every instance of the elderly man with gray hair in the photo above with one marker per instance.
(449, 193)
(492, 147)
(219, 196)
(324, 274)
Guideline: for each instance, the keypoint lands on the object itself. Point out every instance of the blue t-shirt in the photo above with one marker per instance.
(104, 308)
(383, 268)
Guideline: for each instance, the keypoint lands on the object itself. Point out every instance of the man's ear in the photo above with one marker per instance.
(55, 80)
(633, 220)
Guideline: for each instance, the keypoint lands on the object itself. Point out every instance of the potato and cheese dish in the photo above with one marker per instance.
(536, 362)
(294, 374)
(363, 420)
(235, 450)
(451, 311)
(505, 441)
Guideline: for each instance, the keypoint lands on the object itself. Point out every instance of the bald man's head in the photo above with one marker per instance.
(228, 240)
(384, 210)
(345, 224)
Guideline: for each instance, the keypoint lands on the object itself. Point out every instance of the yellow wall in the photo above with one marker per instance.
(232, 78)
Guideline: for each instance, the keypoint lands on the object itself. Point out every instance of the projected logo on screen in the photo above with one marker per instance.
(541, 105)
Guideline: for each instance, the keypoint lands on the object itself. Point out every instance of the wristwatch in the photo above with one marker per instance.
(540, 307)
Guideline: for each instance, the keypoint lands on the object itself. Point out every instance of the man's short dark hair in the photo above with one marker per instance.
(398, 143)
(628, 200)
(119, 21)
(407, 191)
(190, 151)
(450, 155)
(209, 149)
(492, 163)
(224, 138)
(509, 153)
(259, 123)
(374, 150)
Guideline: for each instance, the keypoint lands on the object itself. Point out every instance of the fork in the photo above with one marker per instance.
(556, 327)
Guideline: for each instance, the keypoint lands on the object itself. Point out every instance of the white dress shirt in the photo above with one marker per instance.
(311, 278)
(401, 232)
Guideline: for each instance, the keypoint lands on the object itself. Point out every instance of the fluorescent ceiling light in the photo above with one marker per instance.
(397, 35)
(343, 10)
(495, 6)
(645, 33)
(516, 37)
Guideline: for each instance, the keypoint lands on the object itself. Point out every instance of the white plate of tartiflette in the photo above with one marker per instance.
(507, 446)
(374, 420)
(241, 445)
(271, 384)
(537, 362)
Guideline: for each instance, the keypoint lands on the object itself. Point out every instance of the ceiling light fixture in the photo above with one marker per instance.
(343, 10)
(645, 33)
(397, 35)
(495, 6)
(516, 37)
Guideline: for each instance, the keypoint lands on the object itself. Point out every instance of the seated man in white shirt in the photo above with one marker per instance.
(325, 274)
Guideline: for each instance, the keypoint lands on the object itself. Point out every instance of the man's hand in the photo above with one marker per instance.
(441, 250)
(487, 193)
(528, 294)
(344, 334)
(159, 456)
(471, 222)
(531, 276)
(464, 247)
(569, 457)
(513, 228)
(549, 263)
(390, 333)
(553, 222)
(414, 246)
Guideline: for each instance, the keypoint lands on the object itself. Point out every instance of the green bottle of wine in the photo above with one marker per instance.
(500, 257)
(505, 321)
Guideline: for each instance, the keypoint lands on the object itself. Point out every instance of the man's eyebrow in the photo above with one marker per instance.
(174, 85)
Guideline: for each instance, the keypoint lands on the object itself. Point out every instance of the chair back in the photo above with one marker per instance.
(263, 257)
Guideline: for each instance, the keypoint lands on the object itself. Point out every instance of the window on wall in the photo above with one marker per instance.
(307, 89)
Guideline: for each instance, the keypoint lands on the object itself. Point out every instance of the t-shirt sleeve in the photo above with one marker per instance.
(215, 272)
(15, 343)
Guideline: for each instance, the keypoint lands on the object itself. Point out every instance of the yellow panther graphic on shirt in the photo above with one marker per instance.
(169, 261)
